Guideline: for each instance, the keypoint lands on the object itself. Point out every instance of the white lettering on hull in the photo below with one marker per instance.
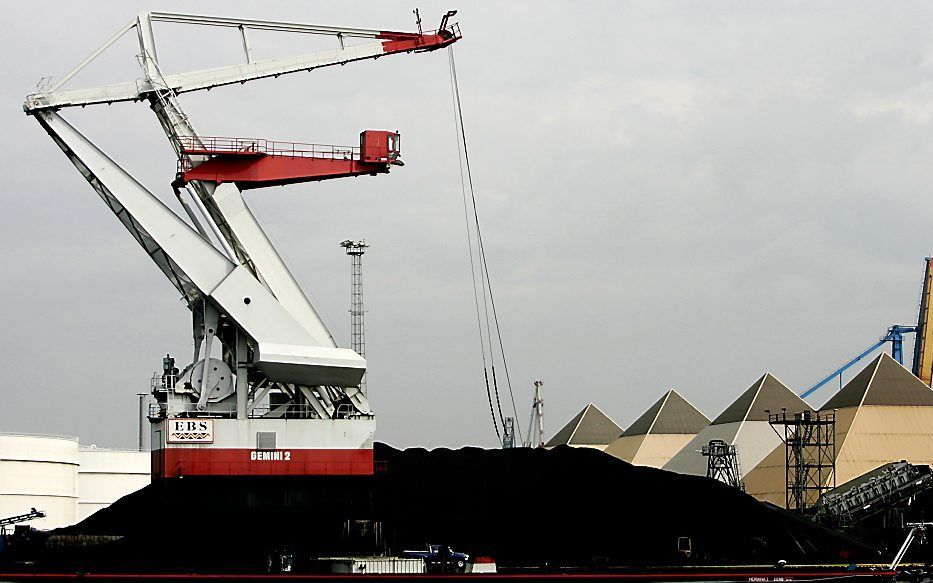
(270, 456)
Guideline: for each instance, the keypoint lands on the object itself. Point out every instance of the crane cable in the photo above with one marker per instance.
(466, 218)
(466, 179)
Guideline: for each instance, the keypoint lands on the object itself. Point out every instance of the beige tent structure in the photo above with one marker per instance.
(661, 431)
(743, 424)
(884, 414)
(589, 428)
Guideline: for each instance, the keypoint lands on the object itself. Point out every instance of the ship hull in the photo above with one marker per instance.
(262, 447)
(178, 462)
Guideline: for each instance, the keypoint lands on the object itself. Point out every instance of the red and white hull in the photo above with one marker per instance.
(262, 447)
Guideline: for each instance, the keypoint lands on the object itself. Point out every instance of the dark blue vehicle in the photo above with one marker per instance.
(440, 559)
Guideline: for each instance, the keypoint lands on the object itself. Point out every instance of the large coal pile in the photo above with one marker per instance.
(522, 506)
(575, 506)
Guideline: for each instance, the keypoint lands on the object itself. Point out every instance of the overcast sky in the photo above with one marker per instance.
(675, 195)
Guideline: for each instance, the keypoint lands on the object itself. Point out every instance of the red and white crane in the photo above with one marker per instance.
(279, 397)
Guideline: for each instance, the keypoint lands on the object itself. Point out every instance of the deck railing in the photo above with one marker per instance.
(211, 145)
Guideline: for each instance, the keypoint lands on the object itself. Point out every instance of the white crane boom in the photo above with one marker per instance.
(286, 351)
(388, 43)
(233, 222)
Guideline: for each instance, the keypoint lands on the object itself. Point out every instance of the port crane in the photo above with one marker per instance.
(280, 373)
(922, 365)
(894, 335)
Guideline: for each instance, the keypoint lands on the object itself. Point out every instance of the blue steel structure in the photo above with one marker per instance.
(895, 336)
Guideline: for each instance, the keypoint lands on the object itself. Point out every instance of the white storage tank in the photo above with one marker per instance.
(106, 475)
(39, 471)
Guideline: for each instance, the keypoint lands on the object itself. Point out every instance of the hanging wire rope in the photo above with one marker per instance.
(466, 218)
(485, 287)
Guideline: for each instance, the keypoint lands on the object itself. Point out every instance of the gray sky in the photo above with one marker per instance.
(673, 195)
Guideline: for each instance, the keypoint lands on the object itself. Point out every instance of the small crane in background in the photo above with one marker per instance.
(922, 365)
(894, 335)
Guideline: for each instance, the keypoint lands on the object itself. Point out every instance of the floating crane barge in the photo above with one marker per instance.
(279, 397)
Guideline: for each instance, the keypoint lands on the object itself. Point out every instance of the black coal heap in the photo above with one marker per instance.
(527, 507)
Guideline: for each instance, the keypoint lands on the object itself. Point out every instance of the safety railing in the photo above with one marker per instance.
(285, 411)
(453, 29)
(211, 145)
(450, 29)
(161, 383)
(262, 411)
(157, 411)
(190, 409)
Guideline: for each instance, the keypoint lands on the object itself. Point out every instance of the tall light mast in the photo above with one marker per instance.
(355, 250)
(536, 425)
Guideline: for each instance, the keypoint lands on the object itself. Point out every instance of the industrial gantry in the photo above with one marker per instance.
(267, 391)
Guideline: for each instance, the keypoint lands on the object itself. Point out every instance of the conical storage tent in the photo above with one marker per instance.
(743, 424)
(661, 431)
(884, 414)
(588, 428)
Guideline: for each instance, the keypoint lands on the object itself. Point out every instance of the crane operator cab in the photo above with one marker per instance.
(380, 146)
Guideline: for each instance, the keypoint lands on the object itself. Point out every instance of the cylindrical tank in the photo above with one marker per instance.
(41, 472)
(106, 475)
